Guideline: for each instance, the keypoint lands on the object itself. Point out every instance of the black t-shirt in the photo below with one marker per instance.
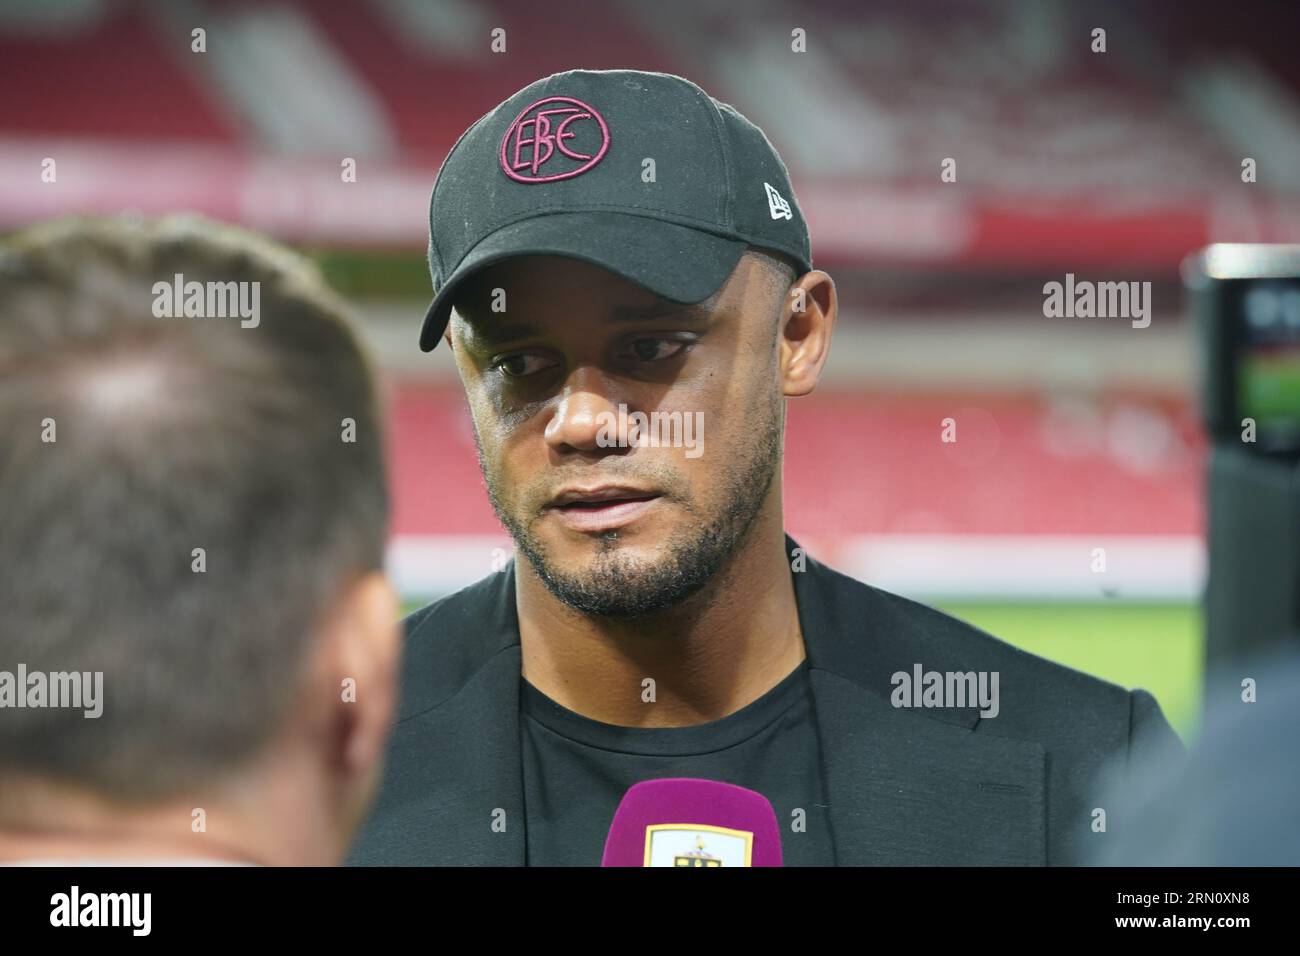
(576, 770)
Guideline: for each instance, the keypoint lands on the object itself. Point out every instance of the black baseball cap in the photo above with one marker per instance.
(643, 174)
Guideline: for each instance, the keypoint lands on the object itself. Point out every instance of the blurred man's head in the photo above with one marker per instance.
(194, 507)
(623, 528)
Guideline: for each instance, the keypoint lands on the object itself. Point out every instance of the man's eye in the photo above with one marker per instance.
(522, 364)
(655, 349)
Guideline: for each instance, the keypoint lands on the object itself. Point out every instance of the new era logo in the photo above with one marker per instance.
(778, 207)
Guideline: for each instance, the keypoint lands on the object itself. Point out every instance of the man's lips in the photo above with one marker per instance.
(601, 508)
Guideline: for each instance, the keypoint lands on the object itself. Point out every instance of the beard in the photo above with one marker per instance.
(617, 584)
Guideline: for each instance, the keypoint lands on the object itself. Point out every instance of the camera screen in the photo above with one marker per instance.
(1268, 364)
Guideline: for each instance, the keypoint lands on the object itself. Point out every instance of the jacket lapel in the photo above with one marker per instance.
(470, 796)
(908, 786)
(908, 790)
(453, 789)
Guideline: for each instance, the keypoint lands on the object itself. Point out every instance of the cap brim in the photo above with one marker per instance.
(679, 263)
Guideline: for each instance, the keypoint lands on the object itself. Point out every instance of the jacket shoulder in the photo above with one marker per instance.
(1038, 698)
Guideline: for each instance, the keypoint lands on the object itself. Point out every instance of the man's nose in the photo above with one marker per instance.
(585, 415)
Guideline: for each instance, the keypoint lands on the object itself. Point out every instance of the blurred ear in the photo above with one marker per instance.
(807, 320)
(362, 655)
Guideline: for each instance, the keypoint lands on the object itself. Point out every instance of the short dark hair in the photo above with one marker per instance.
(169, 435)
(779, 273)
(778, 268)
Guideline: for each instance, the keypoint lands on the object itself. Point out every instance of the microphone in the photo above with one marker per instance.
(680, 821)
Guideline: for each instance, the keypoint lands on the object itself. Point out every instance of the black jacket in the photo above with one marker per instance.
(905, 786)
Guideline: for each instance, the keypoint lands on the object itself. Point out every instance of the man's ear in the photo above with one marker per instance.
(807, 320)
(363, 655)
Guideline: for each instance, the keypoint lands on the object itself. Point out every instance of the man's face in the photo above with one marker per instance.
(617, 520)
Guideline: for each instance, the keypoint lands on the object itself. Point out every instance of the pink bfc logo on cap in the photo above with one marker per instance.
(536, 147)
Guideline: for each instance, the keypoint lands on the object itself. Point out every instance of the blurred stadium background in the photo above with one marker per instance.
(1075, 434)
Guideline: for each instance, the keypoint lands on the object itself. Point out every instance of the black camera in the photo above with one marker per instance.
(1246, 301)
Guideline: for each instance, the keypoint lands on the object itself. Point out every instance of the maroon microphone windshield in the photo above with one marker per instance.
(684, 822)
